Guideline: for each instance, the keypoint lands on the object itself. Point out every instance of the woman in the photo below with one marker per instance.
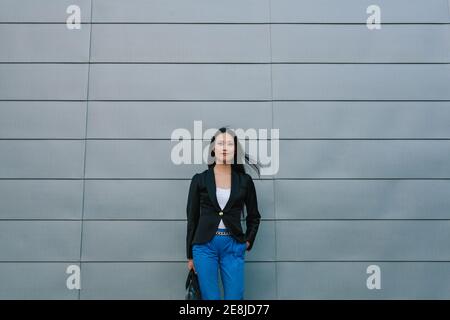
(214, 233)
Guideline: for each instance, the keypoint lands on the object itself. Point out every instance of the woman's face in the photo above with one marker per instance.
(224, 148)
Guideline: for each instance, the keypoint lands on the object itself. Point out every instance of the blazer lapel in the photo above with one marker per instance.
(211, 187)
(234, 190)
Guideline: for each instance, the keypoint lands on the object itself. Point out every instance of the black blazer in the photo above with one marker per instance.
(204, 213)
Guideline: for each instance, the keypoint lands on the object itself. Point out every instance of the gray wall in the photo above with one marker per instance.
(86, 117)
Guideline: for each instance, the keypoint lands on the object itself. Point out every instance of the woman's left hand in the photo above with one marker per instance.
(248, 244)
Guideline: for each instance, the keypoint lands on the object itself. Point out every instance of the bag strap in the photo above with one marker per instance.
(189, 278)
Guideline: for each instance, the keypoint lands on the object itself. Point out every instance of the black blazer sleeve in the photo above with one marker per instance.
(253, 217)
(193, 214)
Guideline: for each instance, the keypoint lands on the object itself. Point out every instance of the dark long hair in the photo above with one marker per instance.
(238, 152)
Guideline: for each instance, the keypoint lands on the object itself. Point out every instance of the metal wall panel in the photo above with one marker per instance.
(362, 199)
(179, 82)
(180, 43)
(43, 81)
(43, 43)
(41, 158)
(41, 199)
(13, 11)
(354, 11)
(42, 120)
(362, 119)
(40, 241)
(363, 240)
(175, 11)
(361, 81)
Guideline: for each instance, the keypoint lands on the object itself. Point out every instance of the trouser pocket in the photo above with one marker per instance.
(239, 248)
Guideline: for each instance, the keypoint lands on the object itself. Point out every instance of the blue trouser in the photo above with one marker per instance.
(227, 253)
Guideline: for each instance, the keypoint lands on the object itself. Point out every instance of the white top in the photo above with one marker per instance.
(222, 198)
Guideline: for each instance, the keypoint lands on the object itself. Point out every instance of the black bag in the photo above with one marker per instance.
(192, 287)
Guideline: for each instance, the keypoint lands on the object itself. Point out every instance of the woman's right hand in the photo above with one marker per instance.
(191, 265)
